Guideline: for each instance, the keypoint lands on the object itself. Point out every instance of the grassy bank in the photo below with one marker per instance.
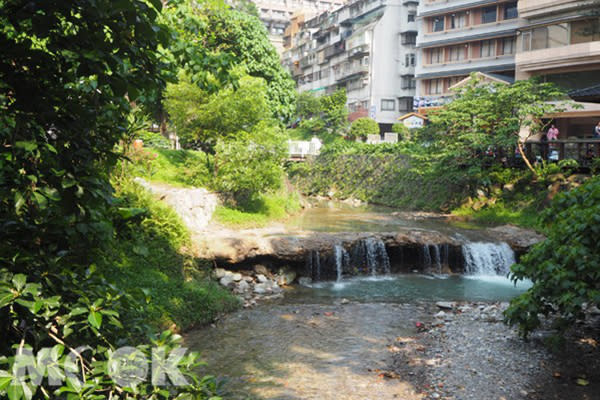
(381, 174)
(153, 253)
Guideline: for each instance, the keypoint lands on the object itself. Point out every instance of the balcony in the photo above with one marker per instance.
(359, 51)
(464, 67)
(558, 58)
(306, 62)
(434, 7)
(537, 8)
(468, 33)
(347, 72)
(334, 49)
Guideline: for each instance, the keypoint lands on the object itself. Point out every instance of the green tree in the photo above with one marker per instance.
(243, 39)
(362, 127)
(250, 164)
(204, 117)
(308, 105)
(68, 73)
(492, 115)
(564, 268)
(402, 130)
(334, 110)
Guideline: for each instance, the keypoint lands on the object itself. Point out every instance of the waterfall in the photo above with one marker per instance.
(341, 259)
(313, 265)
(426, 257)
(376, 256)
(437, 259)
(487, 258)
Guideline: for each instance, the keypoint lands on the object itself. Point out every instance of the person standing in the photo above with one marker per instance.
(597, 131)
(553, 133)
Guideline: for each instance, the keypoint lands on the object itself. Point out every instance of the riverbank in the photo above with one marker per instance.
(350, 350)
(465, 351)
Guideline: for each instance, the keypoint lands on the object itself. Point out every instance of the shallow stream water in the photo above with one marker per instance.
(328, 340)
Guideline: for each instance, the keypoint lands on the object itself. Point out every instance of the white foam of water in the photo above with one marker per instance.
(500, 280)
(483, 258)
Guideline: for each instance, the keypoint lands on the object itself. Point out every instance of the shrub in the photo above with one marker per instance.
(154, 139)
(362, 127)
(564, 267)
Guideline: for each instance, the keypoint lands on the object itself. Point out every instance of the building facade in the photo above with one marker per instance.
(366, 47)
(457, 37)
(277, 14)
(560, 41)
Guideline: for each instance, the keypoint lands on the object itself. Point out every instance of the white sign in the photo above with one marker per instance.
(413, 122)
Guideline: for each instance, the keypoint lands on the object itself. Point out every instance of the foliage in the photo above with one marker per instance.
(153, 251)
(335, 112)
(402, 131)
(308, 105)
(364, 172)
(489, 117)
(564, 267)
(250, 164)
(363, 127)
(202, 117)
(242, 40)
(154, 139)
(260, 211)
(68, 75)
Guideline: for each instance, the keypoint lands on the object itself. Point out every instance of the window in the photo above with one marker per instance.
(457, 53)
(486, 48)
(539, 38)
(388, 105)
(488, 15)
(558, 35)
(583, 31)
(436, 55)
(409, 82)
(526, 39)
(508, 46)
(409, 60)
(435, 86)
(405, 104)
(411, 17)
(364, 104)
(409, 38)
(510, 10)
(438, 24)
(458, 20)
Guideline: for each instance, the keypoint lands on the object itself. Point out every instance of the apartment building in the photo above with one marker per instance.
(277, 14)
(457, 37)
(559, 40)
(366, 47)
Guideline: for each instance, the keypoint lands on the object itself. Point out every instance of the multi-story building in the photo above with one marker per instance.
(560, 40)
(457, 37)
(366, 47)
(277, 14)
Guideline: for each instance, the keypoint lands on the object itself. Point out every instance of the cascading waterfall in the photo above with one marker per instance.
(313, 264)
(487, 258)
(341, 258)
(437, 259)
(376, 256)
(426, 257)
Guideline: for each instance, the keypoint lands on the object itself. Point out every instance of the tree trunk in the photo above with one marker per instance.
(520, 147)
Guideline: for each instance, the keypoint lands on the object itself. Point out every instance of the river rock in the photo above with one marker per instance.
(262, 288)
(519, 239)
(236, 277)
(261, 278)
(286, 276)
(261, 269)
(445, 305)
(226, 280)
(220, 272)
(243, 286)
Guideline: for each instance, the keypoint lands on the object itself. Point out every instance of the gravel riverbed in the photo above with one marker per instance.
(464, 351)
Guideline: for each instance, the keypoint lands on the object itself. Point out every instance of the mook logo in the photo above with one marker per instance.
(126, 366)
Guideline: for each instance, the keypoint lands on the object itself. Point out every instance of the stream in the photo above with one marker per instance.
(328, 339)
